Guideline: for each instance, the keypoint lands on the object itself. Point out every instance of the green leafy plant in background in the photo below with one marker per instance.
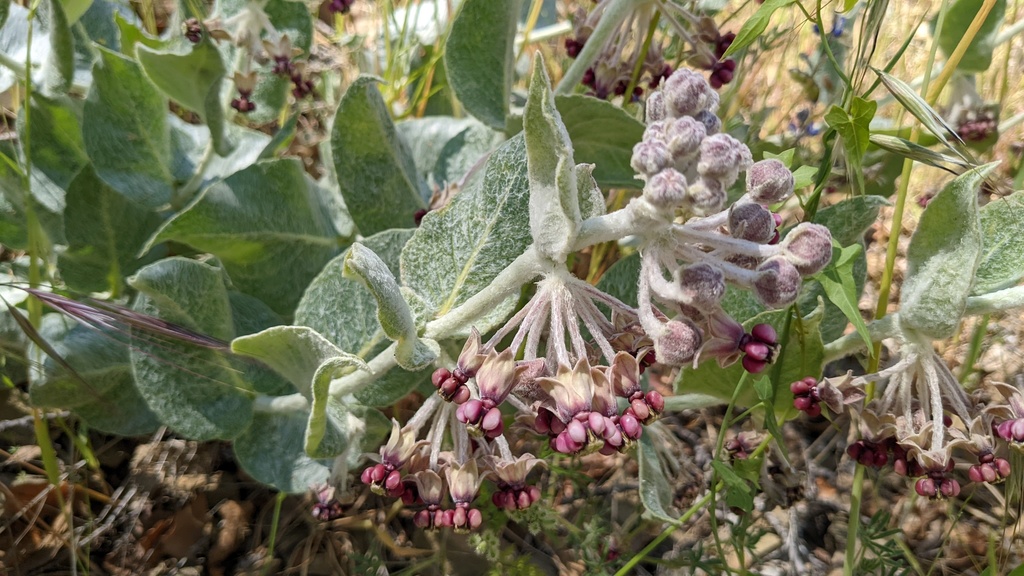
(238, 298)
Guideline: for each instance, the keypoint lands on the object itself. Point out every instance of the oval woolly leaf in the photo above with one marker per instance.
(942, 258)
(459, 249)
(445, 148)
(478, 57)
(345, 312)
(192, 79)
(849, 219)
(110, 402)
(375, 171)
(125, 131)
(271, 244)
(655, 491)
(271, 451)
(393, 312)
(193, 390)
(602, 134)
(59, 69)
(1002, 239)
(104, 232)
(554, 202)
(622, 279)
(295, 352)
(56, 134)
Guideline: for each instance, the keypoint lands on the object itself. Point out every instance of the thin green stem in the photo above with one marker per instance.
(613, 16)
(184, 194)
(974, 350)
(274, 525)
(693, 509)
(638, 68)
(958, 53)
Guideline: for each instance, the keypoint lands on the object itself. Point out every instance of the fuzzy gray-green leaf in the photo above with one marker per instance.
(478, 57)
(376, 173)
(393, 312)
(272, 451)
(942, 258)
(655, 491)
(554, 205)
(345, 312)
(458, 250)
(1002, 232)
(125, 131)
(192, 389)
(330, 422)
(294, 352)
(445, 149)
(272, 244)
(104, 231)
(849, 219)
(59, 68)
(192, 79)
(110, 401)
(602, 134)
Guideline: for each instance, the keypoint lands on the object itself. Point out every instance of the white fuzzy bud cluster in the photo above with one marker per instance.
(684, 160)
(688, 167)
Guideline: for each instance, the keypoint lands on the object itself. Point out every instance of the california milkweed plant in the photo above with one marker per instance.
(435, 260)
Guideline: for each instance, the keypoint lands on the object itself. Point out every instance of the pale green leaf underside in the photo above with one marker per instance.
(942, 258)
(458, 250)
(1002, 257)
(478, 57)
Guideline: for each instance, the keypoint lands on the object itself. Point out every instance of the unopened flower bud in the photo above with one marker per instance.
(684, 136)
(707, 196)
(949, 488)
(703, 284)
(677, 343)
(655, 401)
(666, 189)
(712, 124)
(769, 182)
(655, 109)
(808, 247)
(925, 487)
(723, 157)
(650, 157)
(630, 426)
(778, 282)
(687, 93)
(753, 222)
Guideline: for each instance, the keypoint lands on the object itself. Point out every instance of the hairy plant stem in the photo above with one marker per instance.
(632, 219)
(613, 15)
(184, 195)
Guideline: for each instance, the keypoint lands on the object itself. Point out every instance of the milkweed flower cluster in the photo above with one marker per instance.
(924, 424)
(251, 30)
(572, 366)
(620, 55)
